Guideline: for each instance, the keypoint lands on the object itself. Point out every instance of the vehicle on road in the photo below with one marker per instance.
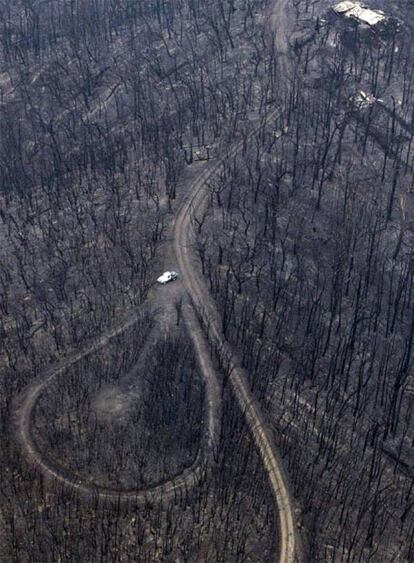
(167, 277)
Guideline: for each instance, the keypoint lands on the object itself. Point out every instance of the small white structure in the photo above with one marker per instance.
(167, 277)
(362, 100)
(359, 13)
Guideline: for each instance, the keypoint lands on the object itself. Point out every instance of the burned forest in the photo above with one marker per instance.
(206, 281)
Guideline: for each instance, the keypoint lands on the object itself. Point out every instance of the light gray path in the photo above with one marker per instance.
(204, 303)
(164, 492)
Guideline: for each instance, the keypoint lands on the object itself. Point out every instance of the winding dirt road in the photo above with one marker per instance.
(203, 302)
(290, 550)
(165, 491)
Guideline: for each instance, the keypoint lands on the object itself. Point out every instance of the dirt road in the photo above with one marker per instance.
(203, 302)
(281, 21)
(165, 491)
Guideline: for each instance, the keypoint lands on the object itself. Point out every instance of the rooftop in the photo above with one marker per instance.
(358, 12)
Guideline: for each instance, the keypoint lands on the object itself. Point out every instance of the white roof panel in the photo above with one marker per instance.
(343, 6)
(366, 15)
(360, 13)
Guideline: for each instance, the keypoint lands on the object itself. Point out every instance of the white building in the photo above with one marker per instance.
(359, 13)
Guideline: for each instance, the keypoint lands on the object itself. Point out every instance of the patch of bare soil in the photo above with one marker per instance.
(113, 404)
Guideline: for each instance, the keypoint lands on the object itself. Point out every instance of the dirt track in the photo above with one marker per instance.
(163, 492)
(203, 302)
